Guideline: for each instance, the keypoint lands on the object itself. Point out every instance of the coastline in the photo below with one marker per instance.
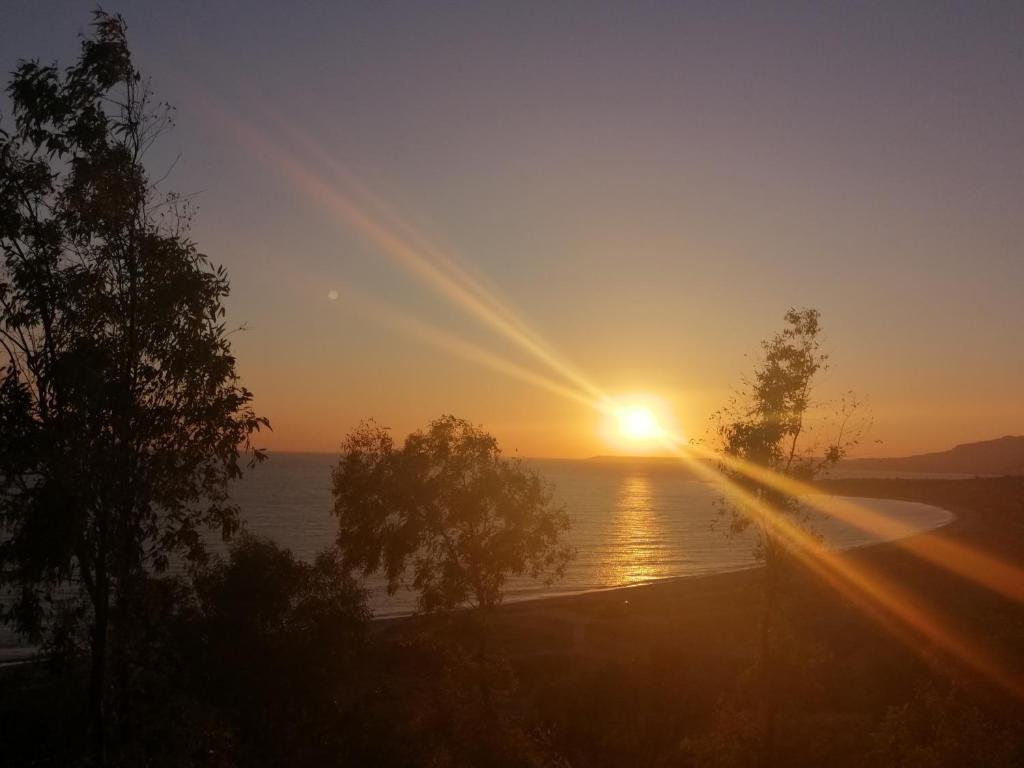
(665, 587)
(608, 674)
(567, 594)
(578, 618)
(19, 654)
(705, 625)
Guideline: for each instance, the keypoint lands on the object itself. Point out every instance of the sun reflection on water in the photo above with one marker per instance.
(638, 535)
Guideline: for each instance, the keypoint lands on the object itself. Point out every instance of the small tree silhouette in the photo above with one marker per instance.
(446, 515)
(446, 510)
(767, 424)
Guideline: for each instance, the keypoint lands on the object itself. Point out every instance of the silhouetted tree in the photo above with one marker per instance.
(941, 727)
(766, 425)
(121, 413)
(446, 515)
(275, 648)
(446, 510)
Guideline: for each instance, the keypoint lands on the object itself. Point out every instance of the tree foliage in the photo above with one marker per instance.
(445, 514)
(768, 427)
(769, 424)
(274, 644)
(121, 412)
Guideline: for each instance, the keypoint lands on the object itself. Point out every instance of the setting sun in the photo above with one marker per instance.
(638, 422)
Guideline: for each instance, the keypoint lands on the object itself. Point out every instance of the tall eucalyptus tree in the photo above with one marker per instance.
(122, 417)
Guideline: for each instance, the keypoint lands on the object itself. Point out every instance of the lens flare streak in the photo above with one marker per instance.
(893, 607)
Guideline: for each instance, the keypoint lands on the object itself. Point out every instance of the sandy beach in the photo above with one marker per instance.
(691, 611)
(688, 644)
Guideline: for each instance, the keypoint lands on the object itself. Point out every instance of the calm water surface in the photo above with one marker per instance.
(633, 522)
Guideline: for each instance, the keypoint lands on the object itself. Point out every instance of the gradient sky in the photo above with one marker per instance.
(649, 186)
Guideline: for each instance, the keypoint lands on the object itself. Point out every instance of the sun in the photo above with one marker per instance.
(638, 423)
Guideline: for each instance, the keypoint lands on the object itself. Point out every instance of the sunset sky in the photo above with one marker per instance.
(646, 187)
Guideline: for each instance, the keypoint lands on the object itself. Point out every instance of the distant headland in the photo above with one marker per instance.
(1002, 456)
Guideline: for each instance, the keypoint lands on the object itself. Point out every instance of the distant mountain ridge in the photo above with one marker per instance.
(1003, 456)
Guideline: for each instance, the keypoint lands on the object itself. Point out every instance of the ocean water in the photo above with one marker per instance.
(632, 522)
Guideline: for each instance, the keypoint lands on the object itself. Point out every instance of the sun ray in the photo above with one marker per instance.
(894, 605)
(896, 609)
(454, 345)
(967, 562)
(438, 271)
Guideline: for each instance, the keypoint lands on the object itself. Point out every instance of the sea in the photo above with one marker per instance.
(633, 522)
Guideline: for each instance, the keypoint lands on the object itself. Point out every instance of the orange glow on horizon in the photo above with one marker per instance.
(637, 424)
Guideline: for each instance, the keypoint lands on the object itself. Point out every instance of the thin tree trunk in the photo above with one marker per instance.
(769, 699)
(97, 683)
(121, 673)
(482, 652)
